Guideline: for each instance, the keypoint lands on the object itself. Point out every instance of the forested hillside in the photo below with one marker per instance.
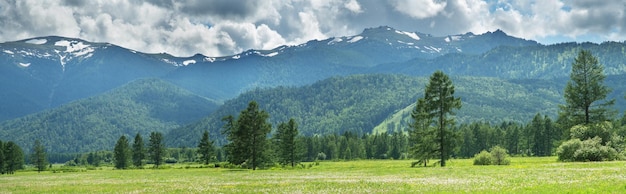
(95, 123)
(359, 103)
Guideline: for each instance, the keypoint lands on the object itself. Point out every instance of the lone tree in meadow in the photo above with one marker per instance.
(121, 153)
(434, 109)
(156, 149)
(38, 157)
(248, 136)
(138, 150)
(585, 93)
(205, 148)
(287, 142)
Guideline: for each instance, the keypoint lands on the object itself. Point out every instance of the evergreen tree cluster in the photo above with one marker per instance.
(11, 157)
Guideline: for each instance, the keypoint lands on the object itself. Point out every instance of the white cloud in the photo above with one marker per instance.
(217, 28)
(419, 9)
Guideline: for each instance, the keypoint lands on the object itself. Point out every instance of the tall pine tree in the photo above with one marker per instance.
(38, 157)
(121, 153)
(205, 148)
(139, 152)
(156, 149)
(14, 157)
(288, 152)
(585, 93)
(248, 136)
(438, 104)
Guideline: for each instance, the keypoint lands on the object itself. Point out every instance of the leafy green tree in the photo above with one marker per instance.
(205, 148)
(584, 93)
(288, 144)
(499, 156)
(14, 157)
(156, 149)
(38, 157)
(248, 136)
(439, 103)
(121, 153)
(138, 150)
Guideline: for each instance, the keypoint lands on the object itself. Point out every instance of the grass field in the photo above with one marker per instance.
(524, 175)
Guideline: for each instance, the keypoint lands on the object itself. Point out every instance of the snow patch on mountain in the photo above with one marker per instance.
(37, 41)
(335, 40)
(187, 62)
(452, 38)
(8, 52)
(236, 56)
(355, 39)
(409, 34)
(209, 59)
(75, 47)
(270, 54)
(24, 64)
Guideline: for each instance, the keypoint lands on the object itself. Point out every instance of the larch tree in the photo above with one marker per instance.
(38, 156)
(205, 148)
(138, 151)
(121, 153)
(436, 109)
(422, 134)
(14, 157)
(156, 148)
(287, 142)
(248, 136)
(585, 93)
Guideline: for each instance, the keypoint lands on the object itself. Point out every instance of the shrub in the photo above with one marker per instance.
(588, 150)
(566, 151)
(499, 156)
(482, 158)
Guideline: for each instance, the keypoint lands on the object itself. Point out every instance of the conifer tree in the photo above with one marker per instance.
(14, 157)
(38, 157)
(139, 152)
(436, 108)
(585, 93)
(288, 143)
(156, 149)
(205, 148)
(121, 153)
(248, 136)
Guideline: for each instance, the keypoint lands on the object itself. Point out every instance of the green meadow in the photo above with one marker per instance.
(524, 175)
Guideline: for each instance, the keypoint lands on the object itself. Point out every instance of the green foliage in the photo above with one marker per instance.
(587, 150)
(499, 156)
(138, 151)
(585, 92)
(156, 148)
(248, 137)
(439, 102)
(483, 158)
(13, 158)
(496, 156)
(38, 156)
(287, 143)
(603, 130)
(121, 153)
(95, 123)
(205, 148)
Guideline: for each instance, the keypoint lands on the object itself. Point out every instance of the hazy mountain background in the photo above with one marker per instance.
(80, 96)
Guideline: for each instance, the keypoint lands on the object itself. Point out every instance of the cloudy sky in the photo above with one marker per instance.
(225, 27)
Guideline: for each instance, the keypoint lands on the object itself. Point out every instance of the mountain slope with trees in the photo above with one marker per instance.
(95, 123)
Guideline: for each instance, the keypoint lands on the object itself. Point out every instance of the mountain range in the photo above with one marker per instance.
(75, 88)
